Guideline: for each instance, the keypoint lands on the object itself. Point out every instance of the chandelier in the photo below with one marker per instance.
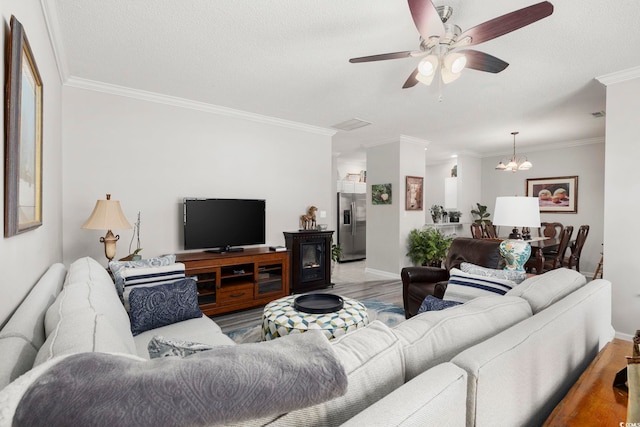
(514, 164)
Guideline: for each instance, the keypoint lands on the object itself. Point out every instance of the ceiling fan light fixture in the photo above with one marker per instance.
(455, 62)
(427, 67)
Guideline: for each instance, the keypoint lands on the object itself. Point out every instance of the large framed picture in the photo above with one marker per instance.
(557, 195)
(23, 145)
(414, 199)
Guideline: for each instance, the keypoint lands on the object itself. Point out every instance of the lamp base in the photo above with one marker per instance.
(515, 253)
(109, 241)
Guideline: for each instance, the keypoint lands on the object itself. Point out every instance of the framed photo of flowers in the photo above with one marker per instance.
(381, 194)
(555, 195)
(23, 144)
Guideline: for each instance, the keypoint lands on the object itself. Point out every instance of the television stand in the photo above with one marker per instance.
(235, 281)
(224, 250)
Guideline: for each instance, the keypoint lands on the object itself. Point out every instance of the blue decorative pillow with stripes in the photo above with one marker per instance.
(463, 287)
(134, 278)
(118, 267)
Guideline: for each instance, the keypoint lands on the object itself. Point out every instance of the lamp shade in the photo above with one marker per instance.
(517, 212)
(107, 215)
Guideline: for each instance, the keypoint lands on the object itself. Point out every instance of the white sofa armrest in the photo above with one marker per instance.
(436, 397)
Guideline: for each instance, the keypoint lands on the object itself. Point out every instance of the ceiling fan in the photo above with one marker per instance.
(441, 41)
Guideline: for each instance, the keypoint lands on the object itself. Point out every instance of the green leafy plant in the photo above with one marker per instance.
(428, 246)
(481, 214)
(336, 252)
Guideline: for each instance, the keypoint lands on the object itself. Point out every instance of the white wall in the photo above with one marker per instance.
(25, 257)
(383, 220)
(585, 161)
(150, 155)
(622, 204)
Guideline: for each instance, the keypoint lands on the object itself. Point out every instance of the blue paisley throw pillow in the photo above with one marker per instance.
(155, 306)
(432, 303)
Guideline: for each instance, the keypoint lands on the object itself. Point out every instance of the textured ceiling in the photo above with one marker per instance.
(288, 59)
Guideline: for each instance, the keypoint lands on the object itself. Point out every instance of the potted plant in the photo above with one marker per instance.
(336, 253)
(481, 214)
(428, 247)
(436, 213)
(454, 216)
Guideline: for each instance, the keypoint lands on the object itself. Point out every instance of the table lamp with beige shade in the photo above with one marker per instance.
(516, 212)
(107, 215)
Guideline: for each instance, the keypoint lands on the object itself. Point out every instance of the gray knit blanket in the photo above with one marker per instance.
(228, 384)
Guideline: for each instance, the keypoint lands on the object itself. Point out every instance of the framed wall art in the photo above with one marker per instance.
(381, 194)
(414, 198)
(23, 145)
(555, 195)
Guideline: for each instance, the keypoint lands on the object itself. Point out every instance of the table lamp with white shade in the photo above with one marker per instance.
(107, 215)
(516, 212)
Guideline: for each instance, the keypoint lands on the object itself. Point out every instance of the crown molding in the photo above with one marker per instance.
(547, 147)
(51, 21)
(194, 105)
(619, 76)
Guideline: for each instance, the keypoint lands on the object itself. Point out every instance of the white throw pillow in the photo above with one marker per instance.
(463, 287)
(513, 275)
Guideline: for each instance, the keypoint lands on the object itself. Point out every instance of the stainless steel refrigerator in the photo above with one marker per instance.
(352, 226)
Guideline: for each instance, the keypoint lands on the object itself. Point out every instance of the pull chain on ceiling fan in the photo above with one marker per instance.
(440, 42)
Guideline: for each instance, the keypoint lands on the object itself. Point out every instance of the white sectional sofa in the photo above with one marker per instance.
(495, 360)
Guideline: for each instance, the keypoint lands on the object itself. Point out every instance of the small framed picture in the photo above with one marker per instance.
(555, 195)
(414, 196)
(381, 194)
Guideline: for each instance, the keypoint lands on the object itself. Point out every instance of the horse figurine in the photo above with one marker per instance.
(308, 221)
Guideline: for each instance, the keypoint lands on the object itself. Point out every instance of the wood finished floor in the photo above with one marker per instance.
(350, 281)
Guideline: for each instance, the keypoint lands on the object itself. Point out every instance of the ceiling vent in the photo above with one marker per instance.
(598, 114)
(352, 124)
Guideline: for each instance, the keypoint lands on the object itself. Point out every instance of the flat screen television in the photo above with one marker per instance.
(222, 225)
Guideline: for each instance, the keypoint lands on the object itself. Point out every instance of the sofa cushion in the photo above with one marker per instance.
(545, 289)
(160, 305)
(201, 329)
(436, 397)
(478, 270)
(24, 333)
(117, 268)
(87, 268)
(91, 295)
(373, 361)
(463, 287)
(429, 339)
(80, 331)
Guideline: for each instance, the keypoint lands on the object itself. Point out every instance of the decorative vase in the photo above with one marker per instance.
(515, 253)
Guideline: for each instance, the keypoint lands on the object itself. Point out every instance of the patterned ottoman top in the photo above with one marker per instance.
(281, 318)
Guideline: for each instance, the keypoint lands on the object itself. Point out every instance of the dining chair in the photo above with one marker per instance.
(573, 260)
(476, 230)
(550, 230)
(555, 259)
(490, 231)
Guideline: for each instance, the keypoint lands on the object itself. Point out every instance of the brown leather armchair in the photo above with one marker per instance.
(418, 282)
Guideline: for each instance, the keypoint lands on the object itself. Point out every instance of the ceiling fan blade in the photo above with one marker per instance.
(481, 61)
(504, 24)
(411, 81)
(426, 18)
(381, 57)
